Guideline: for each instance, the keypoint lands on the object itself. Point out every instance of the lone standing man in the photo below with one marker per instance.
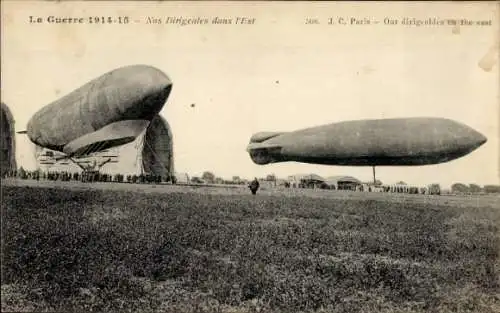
(254, 186)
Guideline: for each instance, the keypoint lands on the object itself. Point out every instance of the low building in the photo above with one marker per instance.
(370, 187)
(343, 183)
(405, 188)
(182, 178)
(282, 182)
(312, 181)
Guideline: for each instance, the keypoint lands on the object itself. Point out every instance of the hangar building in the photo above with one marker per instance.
(343, 182)
(305, 181)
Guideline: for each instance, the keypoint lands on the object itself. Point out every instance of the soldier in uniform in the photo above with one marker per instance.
(254, 186)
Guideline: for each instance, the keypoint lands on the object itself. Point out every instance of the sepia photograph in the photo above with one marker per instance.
(250, 156)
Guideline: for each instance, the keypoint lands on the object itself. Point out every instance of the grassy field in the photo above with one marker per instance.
(124, 247)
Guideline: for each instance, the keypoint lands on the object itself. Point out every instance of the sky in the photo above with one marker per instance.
(277, 74)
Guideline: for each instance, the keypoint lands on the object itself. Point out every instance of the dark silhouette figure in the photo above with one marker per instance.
(254, 186)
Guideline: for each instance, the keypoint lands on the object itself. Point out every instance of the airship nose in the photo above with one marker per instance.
(481, 139)
(474, 139)
(152, 80)
(149, 90)
(158, 88)
(157, 81)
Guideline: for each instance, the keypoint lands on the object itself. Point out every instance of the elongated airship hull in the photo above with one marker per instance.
(94, 116)
(408, 141)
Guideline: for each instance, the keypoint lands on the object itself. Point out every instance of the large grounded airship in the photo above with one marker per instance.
(109, 111)
(404, 141)
(152, 154)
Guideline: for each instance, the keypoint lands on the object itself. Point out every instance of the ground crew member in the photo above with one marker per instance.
(254, 186)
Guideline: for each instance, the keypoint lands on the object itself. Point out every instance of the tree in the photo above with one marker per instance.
(196, 180)
(271, 177)
(434, 189)
(459, 187)
(491, 189)
(209, 177)
(474, 188)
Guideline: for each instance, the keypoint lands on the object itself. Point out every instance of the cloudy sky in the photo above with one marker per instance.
(275, 75)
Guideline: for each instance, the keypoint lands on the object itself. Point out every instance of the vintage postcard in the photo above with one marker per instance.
(250, 156)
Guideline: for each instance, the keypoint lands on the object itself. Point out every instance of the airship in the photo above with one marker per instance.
(153, 149)
(108, 111)
(378, 142)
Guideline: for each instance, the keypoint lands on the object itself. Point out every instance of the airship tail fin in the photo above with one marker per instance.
(112, 135)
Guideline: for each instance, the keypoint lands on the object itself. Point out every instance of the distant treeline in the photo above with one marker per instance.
(473, 188)
(207, 177)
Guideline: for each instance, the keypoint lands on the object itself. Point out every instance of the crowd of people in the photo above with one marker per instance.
(89, 176)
